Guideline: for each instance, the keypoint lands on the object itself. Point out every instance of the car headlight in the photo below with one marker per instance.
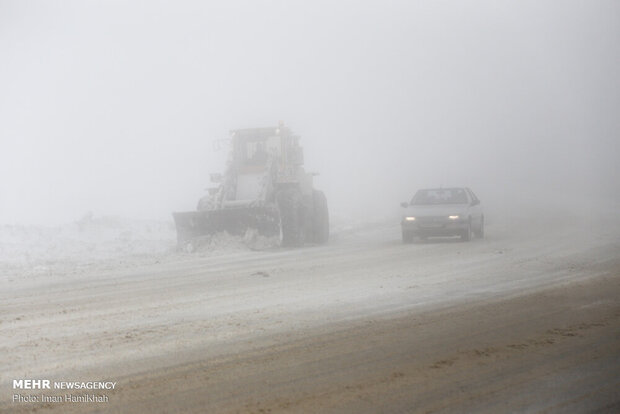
(453, 217)
(409, 218)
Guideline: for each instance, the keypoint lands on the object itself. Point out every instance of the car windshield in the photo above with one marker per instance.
(440, 196)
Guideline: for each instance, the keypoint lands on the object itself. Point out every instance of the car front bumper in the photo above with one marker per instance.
(438, 227)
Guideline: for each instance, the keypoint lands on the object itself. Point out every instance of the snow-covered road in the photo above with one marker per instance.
(115, 318)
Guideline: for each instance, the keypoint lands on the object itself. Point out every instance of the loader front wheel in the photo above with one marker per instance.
(320, 225)
(291, 217)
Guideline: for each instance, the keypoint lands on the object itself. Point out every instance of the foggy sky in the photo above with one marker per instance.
(112, 107)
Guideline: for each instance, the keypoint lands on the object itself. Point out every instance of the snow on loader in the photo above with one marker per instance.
(263, 189)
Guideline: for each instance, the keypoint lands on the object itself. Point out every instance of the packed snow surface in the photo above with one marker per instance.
(70, 292)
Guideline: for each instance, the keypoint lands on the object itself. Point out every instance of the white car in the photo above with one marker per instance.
(442, 212)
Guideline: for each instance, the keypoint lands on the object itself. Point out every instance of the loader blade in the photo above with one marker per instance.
(235, 221)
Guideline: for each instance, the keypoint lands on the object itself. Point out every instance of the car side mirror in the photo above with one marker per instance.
(475, 202)
(404, 204)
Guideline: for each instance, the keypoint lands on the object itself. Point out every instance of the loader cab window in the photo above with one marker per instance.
(274, 145)
(257, 152)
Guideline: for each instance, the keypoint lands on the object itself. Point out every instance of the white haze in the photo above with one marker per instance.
(112, 107)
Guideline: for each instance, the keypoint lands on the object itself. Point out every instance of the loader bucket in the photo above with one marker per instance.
(235, 221)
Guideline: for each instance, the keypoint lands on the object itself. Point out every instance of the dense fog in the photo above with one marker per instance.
(113, 107)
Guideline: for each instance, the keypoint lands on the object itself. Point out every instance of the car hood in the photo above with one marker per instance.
(437, 210)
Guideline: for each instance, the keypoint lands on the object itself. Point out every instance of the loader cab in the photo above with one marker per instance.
(254, 152)
(254, 148)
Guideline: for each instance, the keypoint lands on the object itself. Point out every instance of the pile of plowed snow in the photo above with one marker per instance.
(223, 241)
(108, 242)
(89, 240)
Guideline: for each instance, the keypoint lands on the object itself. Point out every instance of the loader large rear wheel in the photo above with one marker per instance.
(291, 217)
(320, 225)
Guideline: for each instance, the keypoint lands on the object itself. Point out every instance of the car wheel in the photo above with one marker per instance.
(407, 237)
(466, 236)
(480, 232)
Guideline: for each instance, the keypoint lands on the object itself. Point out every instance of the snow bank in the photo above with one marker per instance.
(35, 249)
